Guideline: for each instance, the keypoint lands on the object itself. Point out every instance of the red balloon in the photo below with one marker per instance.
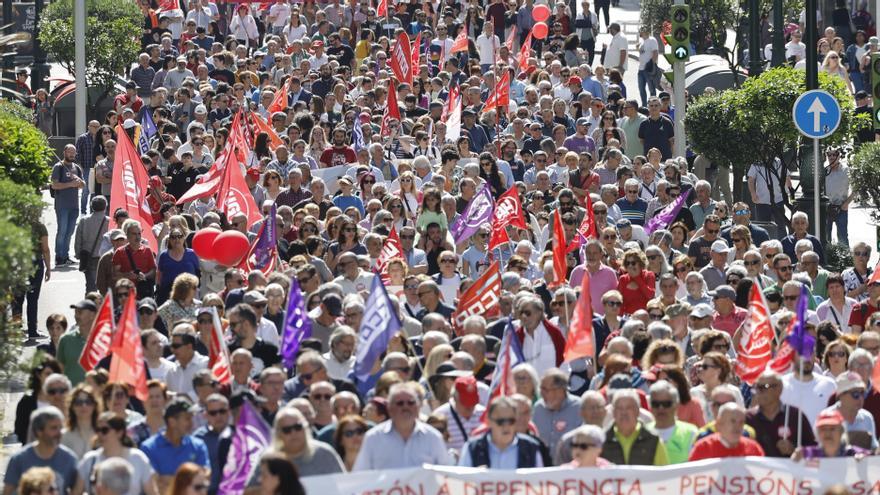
(203, 243)
(540, 30)
(230, 247)
(540, 13)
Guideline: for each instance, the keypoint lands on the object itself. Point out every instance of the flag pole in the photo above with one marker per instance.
(801, 415)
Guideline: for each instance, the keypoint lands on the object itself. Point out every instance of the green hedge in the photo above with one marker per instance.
(24, 152)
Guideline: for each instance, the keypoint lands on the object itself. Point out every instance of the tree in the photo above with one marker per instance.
(864, 175)
(25, 152)
(113, 30)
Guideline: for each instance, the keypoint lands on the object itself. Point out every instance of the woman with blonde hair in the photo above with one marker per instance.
(182, 305)
(190, 479)
(662, 352)
(38, 481)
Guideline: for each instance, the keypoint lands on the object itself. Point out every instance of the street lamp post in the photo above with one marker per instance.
(8, 62)
(755, 56)
(778, 40)
(40, 71)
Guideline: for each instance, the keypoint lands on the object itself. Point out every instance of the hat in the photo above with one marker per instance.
(155, 181)
(85, 304)
(176, 406)
(620, 381)
(466, 390)
(724, 291)
(663, 94)
(829, 418)
(583, 121)
(317, 43)
(371, 12)
(259, 53)
(574, 80)
(181, 58)
(117, 234)
(467, 112)
(129, 124)
(253, 173)
(333, 303)
(861, 95)
(447, 369)
(623, 223)
(702, 310)
(131, 85)
(147, 302)
(678, 309)
(720, 246)
(254, 297)
(345, 179)
(849, 381)
(201, 109)
(873, 40)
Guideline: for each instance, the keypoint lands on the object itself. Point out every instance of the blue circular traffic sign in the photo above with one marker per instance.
(816, 114)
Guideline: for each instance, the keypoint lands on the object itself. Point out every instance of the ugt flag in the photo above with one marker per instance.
(379, 324)
(251, 438)
(297, 325)
(477, 212)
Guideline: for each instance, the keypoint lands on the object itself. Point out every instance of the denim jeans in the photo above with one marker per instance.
(66, 218)
(646, 79)
(84, 194)
(32, 296)
(775, 213)
(858, 81)
(842, 221)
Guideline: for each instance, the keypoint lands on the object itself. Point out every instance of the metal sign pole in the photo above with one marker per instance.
(817, 167)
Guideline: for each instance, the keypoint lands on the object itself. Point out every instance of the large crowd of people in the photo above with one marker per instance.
(673, 260)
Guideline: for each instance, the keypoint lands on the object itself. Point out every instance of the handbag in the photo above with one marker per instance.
(144, 288)
(650, 67)
(86, 256)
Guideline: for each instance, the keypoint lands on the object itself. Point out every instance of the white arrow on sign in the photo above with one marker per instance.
(680, 52)
(817, 109)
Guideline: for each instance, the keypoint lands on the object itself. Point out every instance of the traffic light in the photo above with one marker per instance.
(679, 38)
(875, 88)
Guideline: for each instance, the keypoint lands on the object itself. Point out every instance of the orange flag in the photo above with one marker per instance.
(461, 41)
(98, 344)
(127, 365)
(580, 340)
(263, 126)
(279, 103)
(560, 267)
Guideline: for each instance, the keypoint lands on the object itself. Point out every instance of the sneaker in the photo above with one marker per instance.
(31, 342)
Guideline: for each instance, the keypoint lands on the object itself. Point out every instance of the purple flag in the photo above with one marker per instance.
(379, 323)
(297, 325)
(667, 214)
(251, 438)
(800, 339)
(265, 249)
(477, 212)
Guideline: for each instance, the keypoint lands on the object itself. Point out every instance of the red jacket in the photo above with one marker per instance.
(555, 335)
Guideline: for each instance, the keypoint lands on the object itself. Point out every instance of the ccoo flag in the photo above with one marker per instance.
(297, 325)
(251, 438)
(380, 322)
(477, 212)
(98, 344)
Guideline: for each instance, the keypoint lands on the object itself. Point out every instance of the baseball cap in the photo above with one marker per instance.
(861, 94)
(201, 109)
(720, 246)
(254, 297)
(583, 121)
(663, 94)
(447, 369)
(176, 406)
(702, 310)
(317, 43)
(829, 418)
(678, 309)
(466, 390)
(873, 40)
(147, 302)
(849, 381)
(117, 234)
(724, 291)
(133, 85)
(85, 304)
(620, 381)
(254, 173)
(574, 80)
(333, 303)
(129, 124)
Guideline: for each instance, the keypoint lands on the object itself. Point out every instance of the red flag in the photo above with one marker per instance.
(524, 52)
(400, 59)
(416, 56)
(461, 42)
(234, 196)
(451, 102)
(754, 349)
(218, 359)
(560, 267)
(783, 361)
(392, 110)
(875, 376)
(209, 183)
(482, 298)
(382, 8)
(98, 344)
(587, 230)
(279, 103)
(127, 364)
(580, 341)
(263, 126)
(500, 97)
(129, 190)
(509, 42)
(508, 211)
(391, 248)
(875, 276)
(165, 5)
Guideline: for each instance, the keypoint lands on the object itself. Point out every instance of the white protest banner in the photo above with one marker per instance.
(330, 176)
(739, 476)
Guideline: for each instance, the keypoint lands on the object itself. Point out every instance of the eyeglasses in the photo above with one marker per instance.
(404, 403)
(504, 421)
(354, 433)
(613, 304)
(145, 312)
(290, 428)
(630, 263)
(790, 298)
(656, 316)
(661, 404)
(57, 391)
(178, 345)
(583, 446)
(83, 402)
(349, 229)
(713, 231)
(752, 263)
(321, 397)
(632, 191)
(862, 254)
(201, 487)
(609, 237)
(447, 260)
(217, 412)
(175, 236)
(103, 430)
(763, 387)
(836, 354)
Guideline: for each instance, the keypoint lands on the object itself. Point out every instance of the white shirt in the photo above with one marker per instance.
(795, 49)
(646, 51)
(337, 370)
(179, 379)
(612, 54)
(486, 47)
(457, 438)
(384, 448)
(449, 288)
(316, 62)
(244, 28)
(539, 350)
(281, 13)
(445, 47)
(810, 397)
(267, 331)
(362, 282)
(827, 312)
(164, 367)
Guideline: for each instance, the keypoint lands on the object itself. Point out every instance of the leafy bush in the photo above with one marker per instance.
(112, 28)
(864, 176)
(16, 109)
(25, 153)
(838, 257)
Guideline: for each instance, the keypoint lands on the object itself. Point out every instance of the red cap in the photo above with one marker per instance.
(466, 390)
(254, 173)
(829, 418)
(574, 80)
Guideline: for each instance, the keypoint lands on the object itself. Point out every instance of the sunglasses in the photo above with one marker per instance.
(354, 433)
(321, 397)
(217, 412)
(762, 387)
(661, 404)
(290, 428)
(405, 403)
(583, 446)
(752, 263)
(57, 391)
(614, 304)
(504, 421)
(103, 430)
(84, 402)
(836, 354)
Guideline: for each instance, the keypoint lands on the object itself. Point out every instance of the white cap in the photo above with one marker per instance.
(129, 124)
